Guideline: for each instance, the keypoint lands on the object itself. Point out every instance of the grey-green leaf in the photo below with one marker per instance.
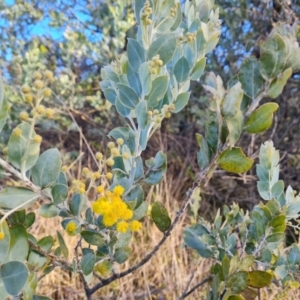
(47, 168)
(3, 114)
(122, 254)
(232, 101)
(5, 242)
(181, 70)
(19, 247)
(250, 77)
(159, 88)
(198, 69)
(48, 211)
(181, 101)
(93, 238)
(22, 150)
(142, 114)
(272, 57)
(13, 197)
(123, 110)
(164, 46)
(62, 244)
(14, 275)
(145, 77)
(59, 190)
(136, 54)
(87, 263)
(127, 96)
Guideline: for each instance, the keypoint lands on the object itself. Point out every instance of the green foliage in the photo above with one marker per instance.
(260, 234)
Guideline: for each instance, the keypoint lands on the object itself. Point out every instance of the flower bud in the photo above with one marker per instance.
(47, 92)
(39, 84)
(37, 139)
(115, 151)
(40, 109)
(120, 141)
(110, 162)
(109, 176)
(28, 97)
(111, 145)
(48, 75)
(24, 116)
(85, 171)
(99, 155)
(64, 169)
(37, 75)
(26, 89)
(49, 113)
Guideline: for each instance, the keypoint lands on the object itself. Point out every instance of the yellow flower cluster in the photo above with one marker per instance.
(2, 235)
(155, 64)
(78, 186)
(147, 11)
(115, 211)
(71, 227)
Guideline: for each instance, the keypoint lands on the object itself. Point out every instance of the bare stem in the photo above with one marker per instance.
(195, 287)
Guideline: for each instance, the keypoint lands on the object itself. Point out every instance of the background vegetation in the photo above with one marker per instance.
(75, 39)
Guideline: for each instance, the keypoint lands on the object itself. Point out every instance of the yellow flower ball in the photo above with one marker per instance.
(110, 219)
(110, 162)
(115, 151)
(85, 171)
(48, 75)
(40, 109)
(96, 175)
(37, 75)
(109, 175)
(128, 214)
(101, 206)
(119, 190)
(2, 235)
(99, 155)
(47, 92)
(37, 139)
(122, 227)
(100, 189)
(26, 89)
(64, 169)
(39, 84)
(111, 145)
(136, 225)
(28, 98)
(71, 227)
(120, 141)
(24, 116)
(49, 113)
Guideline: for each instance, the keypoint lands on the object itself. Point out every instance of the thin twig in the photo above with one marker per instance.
(189, 282)
(54, 259)
(195, 287)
